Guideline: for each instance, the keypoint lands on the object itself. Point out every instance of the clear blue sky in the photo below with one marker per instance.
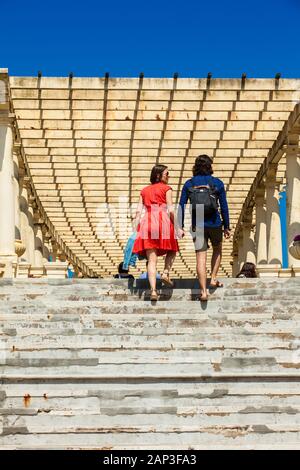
(156, 37)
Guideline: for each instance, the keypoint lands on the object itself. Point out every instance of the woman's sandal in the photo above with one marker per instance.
(166, 279)
(154, 295)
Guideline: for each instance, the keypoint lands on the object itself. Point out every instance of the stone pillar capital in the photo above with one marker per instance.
(260, 194)
(248, 217)
(37, 218)
(7, 119)
(292, 142)
(271, 174)
(45, 232)
(32, 201)
(54, 244)
(26, 180)
(22, 174)
(17, 147)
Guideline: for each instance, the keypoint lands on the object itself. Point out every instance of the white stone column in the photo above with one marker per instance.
(46, 244)
(17, 194)
(23, 263)
(248, 236)
(21, 266)
(293, 197)
(26, 229)
(7, 198)
(274, 245)
(37, 269)
(261, 227)
(30, 227)
(38, 244)
(54, 251)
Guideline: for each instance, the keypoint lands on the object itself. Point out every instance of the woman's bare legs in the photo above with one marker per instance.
(201, 272)
(151, 268)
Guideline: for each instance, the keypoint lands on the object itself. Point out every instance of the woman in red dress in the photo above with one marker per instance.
(155, 230)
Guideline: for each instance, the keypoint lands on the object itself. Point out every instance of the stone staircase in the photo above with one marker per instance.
(92, 364)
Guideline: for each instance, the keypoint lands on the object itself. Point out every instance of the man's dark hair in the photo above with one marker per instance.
(203, 165)
(121, 270)
(156, 173)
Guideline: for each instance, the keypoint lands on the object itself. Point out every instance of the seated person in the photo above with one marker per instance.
(70, 271)
(144, 274)
(123, 273)
(248, 270)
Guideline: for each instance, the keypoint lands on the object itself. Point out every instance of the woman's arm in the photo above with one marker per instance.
(138, 213)
(179, 231)
(170, 206)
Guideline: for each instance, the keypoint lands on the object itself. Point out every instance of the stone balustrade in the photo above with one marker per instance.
(263, 199)
(25, 231)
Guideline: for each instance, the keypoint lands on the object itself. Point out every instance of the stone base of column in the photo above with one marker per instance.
(285, 272)
(22, 270)
(8, 261)
(2, 268)
(296, 271)
(56, 270)
(268, 270)
(37, 271)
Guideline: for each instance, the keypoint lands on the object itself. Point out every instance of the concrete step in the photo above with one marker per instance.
(138, 307)
(118, 290)
(241, 437)
(110, 328)
(40, 358)
(92, 364)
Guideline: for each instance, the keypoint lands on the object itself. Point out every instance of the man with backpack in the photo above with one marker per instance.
(206, 195)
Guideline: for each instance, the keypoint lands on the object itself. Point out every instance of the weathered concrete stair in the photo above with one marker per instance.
(93, 364)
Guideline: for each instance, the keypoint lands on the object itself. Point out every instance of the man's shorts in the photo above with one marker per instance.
(201, 236)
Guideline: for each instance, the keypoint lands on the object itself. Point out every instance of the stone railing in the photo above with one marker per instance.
(260, 211)
(59, 245)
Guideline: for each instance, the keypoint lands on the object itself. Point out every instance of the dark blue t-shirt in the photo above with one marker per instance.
(213, 220)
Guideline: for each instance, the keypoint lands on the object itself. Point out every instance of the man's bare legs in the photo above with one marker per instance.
(215, 265)
(169, 260)
(201, 272)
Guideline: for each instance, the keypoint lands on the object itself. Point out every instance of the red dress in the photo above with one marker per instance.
(155, 229)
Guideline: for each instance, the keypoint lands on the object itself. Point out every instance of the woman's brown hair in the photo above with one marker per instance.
(156, 173)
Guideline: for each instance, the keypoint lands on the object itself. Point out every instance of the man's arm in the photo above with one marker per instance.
(224, 207)
(181, 208)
